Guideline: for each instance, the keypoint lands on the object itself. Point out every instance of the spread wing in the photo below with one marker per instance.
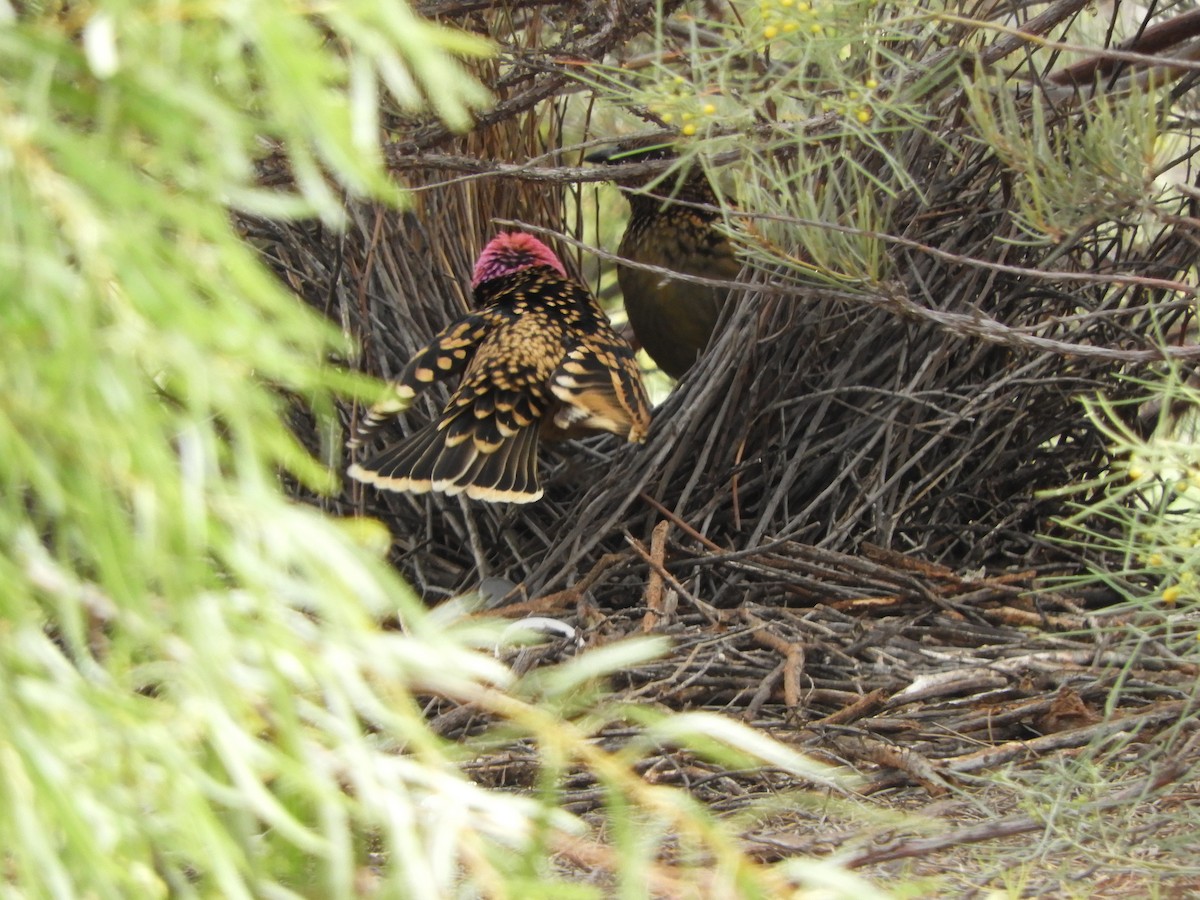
(443, 457)
(601, 388)
(485, 441)
(449, 353)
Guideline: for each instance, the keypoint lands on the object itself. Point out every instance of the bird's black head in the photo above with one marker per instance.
(631, 151)
(685, 181)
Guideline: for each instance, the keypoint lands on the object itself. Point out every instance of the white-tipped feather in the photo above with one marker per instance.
(535, 337)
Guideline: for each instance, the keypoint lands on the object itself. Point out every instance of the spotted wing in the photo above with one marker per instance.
(449, 353)
(600, 387)
(485, 442)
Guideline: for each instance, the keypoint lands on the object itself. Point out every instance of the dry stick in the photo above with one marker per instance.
(793, 668)
(709, 611)
(864, 706)
(792, 653)
(481, 566)
(1077, 737)
(1111, 54)
(895, 560)
(1023, 618)
(763, 693)
(683, 526)
(907, 760)
(654, 584)
(733, 485)
(554, 602)
(1174, 769)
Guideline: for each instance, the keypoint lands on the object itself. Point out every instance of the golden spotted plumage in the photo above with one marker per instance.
(672, 319)
(539, 355)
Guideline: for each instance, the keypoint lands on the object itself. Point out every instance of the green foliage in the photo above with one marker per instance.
(1069, 180)
(826, 90)
(1142, 514)
(198, 697)
(1136, 524)
(843, 103)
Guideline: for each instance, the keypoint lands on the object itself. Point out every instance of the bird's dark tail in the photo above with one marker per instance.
(437, 459)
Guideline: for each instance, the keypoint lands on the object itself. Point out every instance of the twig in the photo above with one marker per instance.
(559, 599)
(866, 705)
(990, 757)
(906, 760)
(654, 584)
(709, 611)
(792, 653)
(1166, 773)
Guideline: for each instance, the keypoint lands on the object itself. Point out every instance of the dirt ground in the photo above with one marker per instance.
(1006, 742)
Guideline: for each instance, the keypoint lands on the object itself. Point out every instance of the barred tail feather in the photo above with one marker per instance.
(398, 399)
(428, 461)
(510, 472)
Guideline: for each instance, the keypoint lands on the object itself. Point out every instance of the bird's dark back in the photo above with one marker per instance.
(539, 291)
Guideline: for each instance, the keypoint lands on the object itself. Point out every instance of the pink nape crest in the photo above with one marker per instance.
(512, 251)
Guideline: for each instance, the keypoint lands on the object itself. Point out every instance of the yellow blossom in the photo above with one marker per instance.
(688, 130)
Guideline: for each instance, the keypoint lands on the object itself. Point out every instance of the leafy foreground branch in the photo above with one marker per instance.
(199, 693)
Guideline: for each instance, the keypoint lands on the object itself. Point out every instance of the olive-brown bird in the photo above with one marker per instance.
(538, 357)
(672, 319)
